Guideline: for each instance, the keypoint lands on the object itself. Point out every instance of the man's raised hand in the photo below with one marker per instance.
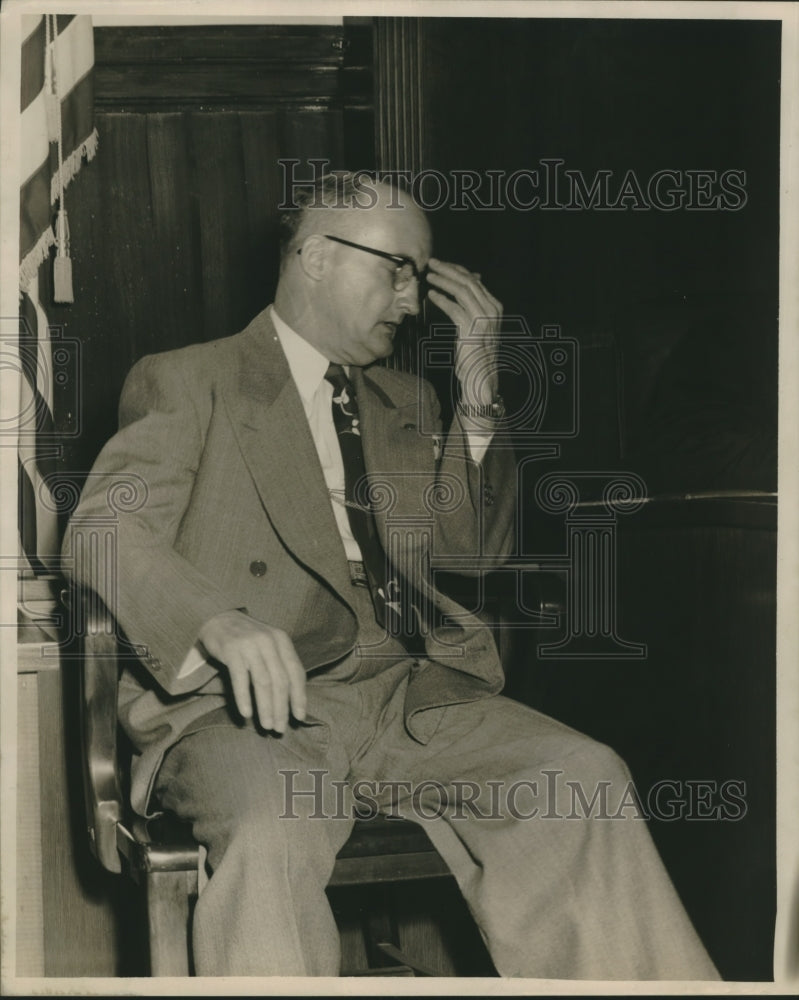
(477, 314)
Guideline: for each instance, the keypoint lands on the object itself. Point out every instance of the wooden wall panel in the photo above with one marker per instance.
(401, 97)
(214, 151)
(229, 66)
(400, 107)
(174, 224)
(261, 143)
(128, 259)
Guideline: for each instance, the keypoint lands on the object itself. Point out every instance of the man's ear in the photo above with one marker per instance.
(314, 256)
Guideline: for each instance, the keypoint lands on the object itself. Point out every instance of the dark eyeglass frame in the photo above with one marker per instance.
(400, 280)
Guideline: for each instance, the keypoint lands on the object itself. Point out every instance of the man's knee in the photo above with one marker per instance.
(591, 782)
(573, 775)
(305, 848)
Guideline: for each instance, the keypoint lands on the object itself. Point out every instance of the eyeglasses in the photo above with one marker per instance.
(405, 267)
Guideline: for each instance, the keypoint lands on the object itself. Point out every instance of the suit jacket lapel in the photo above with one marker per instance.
(389, 427)
(401, 469)
(275, 440)
(394, 454)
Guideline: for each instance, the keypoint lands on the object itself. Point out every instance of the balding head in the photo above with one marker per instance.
(342, 204)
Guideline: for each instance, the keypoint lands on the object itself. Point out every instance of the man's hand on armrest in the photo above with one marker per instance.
(260, 660)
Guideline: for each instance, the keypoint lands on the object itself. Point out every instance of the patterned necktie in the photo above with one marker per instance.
(361, 518)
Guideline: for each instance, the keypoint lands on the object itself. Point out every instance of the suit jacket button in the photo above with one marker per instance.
(258, 567)
(155, 663)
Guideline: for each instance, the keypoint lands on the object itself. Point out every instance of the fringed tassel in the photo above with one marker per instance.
(52, 108)
(67, 168)
(72, 164)
(52, 104)
(62, 265)
(29, 268)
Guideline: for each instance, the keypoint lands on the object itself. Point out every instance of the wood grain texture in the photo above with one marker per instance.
(78, 899)
(399, 133)
(29, 912)
(241, 45)
(229, 66)
(168, 922)
(174, 222)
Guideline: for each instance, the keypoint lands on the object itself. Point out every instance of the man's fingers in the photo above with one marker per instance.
(263, 691)
(447, 305)
(240, 682)
(459, 276)
(455, 311)
(447, 267)
(270, 680)
(454, 272)
(469, 293)
(261, 662)
(457, 285)
(295, 673)
(278, 680)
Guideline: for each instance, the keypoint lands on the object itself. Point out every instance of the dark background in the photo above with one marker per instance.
(674, 314)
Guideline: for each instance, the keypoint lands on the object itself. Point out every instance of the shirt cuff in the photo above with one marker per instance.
(195, 658)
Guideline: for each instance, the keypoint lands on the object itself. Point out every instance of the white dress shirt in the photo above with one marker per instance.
(308, 368)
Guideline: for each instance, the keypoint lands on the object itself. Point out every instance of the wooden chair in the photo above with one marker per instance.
(161, 856)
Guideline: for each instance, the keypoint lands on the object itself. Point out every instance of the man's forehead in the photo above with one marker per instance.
(402, 226)
(393, 222)
(382, 217)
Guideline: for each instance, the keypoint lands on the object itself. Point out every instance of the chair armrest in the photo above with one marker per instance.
(99, 682)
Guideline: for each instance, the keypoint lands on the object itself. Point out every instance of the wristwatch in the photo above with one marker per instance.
(495, 410)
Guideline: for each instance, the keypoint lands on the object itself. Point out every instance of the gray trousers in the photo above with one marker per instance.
(517, 804)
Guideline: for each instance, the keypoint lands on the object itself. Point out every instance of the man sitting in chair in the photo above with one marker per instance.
(275, 570)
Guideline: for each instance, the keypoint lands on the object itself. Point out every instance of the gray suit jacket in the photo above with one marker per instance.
(229, 509)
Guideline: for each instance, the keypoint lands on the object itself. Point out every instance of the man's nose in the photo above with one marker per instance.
(408, 298)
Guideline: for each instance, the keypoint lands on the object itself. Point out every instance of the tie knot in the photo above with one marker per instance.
(337, 377)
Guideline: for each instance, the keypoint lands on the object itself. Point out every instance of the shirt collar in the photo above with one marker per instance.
(307, 365)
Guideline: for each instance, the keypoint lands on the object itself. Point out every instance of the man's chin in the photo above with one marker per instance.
(380, 345)
(384, 340)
